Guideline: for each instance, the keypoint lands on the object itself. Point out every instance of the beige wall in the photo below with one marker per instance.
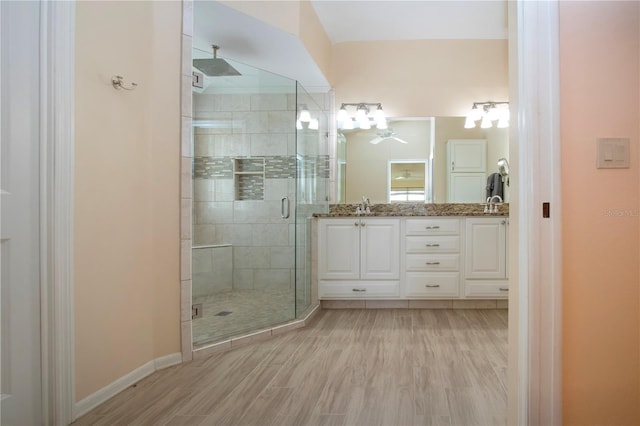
(126, 199)
(599, 92)
(421, 78)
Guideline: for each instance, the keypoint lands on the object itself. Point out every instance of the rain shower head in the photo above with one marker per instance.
(216, 67)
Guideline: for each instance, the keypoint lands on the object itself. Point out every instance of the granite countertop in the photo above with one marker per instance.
(415, 209)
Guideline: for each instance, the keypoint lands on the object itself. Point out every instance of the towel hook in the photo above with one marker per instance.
(118, 83)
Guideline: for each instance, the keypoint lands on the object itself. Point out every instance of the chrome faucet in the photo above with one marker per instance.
(364, 207)
(491, 206)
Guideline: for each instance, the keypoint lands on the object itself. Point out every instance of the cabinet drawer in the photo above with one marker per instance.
(433, 262)
(487, 288)
(358, 289)
(433, 284)
(436, 244)
(433, 226)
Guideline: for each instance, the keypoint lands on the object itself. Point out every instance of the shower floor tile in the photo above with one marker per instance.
(232, 313)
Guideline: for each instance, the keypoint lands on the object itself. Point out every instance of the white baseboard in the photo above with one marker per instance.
(92, 401)
(167, 361)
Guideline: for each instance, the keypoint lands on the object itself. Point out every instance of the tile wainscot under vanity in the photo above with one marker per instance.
(407, 252)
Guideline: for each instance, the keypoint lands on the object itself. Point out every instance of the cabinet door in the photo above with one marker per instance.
(380, 249)
(467, 155)
(339, 249)
(485, 251)
(467, 188)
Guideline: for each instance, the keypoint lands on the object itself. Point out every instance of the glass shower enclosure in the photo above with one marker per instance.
(260, 171)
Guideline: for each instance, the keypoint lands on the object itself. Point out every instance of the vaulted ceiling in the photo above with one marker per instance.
(246, 39)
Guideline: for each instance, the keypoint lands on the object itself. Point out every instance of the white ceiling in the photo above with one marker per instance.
(251, 41)
(412, 20)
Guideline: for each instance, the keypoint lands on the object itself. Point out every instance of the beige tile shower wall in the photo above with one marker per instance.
(258, 125)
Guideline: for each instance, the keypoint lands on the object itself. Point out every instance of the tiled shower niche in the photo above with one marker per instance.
(248, 174)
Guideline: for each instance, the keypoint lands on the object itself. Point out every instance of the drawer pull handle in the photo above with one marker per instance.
(432, 263)
(432, 227)
(356, 224)
(359, 290)
(433, 245)
(504, 289)
(433, 285)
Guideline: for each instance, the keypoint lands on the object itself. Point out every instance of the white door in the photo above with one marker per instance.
(21, 401)
(467, 155)
(485, 254)
(380, 249)
(467, 188)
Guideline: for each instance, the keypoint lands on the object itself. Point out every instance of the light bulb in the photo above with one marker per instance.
(382, 124)
(469, 122)
(305, 115)
(313, 124)
(475, 113)
(503, 122)
(361, 112)
(298, 125)
(364, 123)
(486, 122)
(342, 116)
(347, 124)
(493, 113)
(379, 115)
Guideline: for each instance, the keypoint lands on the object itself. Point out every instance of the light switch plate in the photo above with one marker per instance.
(612, 153)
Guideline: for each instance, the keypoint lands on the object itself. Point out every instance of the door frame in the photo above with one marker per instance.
(57, 66)
(535, 306)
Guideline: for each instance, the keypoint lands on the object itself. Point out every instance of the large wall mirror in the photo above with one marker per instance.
(409, 162)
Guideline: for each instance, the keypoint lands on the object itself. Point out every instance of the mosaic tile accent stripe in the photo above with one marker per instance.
(314, 165)
(275, 167)
(280, 167)
(249, 187)
(213, 167)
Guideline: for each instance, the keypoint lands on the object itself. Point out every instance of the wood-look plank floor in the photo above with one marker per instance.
(349, 367)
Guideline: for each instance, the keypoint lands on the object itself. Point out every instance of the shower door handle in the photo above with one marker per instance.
(285, 210)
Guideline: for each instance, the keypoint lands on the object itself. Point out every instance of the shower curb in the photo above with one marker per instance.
(205, 351)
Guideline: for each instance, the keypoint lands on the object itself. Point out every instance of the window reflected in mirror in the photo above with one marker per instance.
(407, 181)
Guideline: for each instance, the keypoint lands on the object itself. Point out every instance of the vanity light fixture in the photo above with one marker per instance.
(489, 112)
(363, 117)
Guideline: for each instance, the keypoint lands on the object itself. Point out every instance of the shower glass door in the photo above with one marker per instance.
(244, 202)
(311, 186)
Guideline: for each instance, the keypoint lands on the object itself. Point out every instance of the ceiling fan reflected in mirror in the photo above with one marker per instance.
(406, 175)
(386, 134)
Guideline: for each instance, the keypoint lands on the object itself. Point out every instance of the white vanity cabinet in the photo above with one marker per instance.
(432, 258)
(444, 257)
(359, 257)
(486, 257)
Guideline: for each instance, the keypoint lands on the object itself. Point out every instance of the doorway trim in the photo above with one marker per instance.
(537, 373)
(57, 69)
(536, 310)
